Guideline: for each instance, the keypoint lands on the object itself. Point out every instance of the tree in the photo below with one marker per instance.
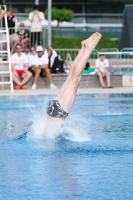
(60, 15)
(7, 6)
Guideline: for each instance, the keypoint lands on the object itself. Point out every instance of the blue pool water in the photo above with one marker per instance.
(91, 158)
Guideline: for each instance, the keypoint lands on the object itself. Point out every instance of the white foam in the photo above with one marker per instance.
(77, 128)
(74, 128)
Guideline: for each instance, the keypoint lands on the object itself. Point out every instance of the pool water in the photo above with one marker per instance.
(91, 158)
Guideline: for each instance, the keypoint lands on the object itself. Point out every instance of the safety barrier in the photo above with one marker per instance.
(68, 55)
(121, 62)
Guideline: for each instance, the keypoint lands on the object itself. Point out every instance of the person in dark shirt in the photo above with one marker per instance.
(55, 63)
(14, 39)
(2, 11)
(24, 36)
(11, 20)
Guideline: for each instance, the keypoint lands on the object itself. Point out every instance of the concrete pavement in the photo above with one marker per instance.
(127, 88)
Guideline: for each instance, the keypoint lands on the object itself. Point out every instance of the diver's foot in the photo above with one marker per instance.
(92, 41)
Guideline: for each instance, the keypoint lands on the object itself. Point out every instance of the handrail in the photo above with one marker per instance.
(8, 55)
(8, 50)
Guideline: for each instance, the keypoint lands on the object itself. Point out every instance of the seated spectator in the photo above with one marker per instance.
(55, 64)
(24, 36)
(31, 57)
(2, 11)
(40, 64)
(101, 64)
(19, 64)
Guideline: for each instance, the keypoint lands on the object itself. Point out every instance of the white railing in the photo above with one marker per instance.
(36, 40)
(118, 59)
(5, 73)
(68, 55)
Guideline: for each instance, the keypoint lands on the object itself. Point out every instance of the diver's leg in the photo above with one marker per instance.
(67, 94)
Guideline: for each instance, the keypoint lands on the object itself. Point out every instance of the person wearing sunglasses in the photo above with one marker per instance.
(31, 57)
(40, 66)
(19, 64)
(24, 36)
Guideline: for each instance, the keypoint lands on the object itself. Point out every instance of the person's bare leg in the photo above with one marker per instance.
(37, 75)
(24, 43)
(68, 91)
(2, 12)
(91, 40)
(108, 80)
(101, 79)
(48, 75)
(78, 57)
(16, 79)
(84, 43)
(26, 78)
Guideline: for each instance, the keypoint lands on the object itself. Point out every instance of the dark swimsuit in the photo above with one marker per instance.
(54, 110)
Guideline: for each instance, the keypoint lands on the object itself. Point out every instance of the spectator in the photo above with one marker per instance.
(35, 18)
(23, 34)
(19, 64)
(40, 64)
(11, 20)
(55, 64)
(101, 64)
(2, 11)
(31, 58)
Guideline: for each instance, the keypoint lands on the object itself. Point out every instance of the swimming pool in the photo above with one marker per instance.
(91, 159)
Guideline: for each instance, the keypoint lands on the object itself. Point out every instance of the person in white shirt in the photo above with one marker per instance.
(31, 57)
(40, 65)
(35, 18)
(19, 64)
(101, 64)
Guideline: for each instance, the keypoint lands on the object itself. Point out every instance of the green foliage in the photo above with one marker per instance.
(66, 42)
(66, 15)
(76, 43)
(60, 15)
(4, 2)
(7, 6)
(108, 43)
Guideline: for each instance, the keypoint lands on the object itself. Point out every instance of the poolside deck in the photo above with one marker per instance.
(127, 88)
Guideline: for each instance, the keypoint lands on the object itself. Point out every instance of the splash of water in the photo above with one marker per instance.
(74, 128)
